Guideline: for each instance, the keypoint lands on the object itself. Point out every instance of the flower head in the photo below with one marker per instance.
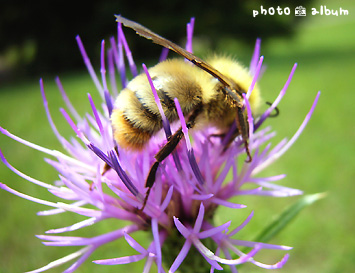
(101, 180)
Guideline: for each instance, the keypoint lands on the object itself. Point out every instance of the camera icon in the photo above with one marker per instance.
(300, 11)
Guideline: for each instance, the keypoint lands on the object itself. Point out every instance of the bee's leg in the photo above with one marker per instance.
(106, 166)
(235, 132)
(230, 140)
(243, 130)
(105, 169)
(166, 150)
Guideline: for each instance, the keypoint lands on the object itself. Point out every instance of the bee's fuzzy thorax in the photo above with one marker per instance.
(240, 74)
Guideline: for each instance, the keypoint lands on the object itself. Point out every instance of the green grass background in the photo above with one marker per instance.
(322, 160)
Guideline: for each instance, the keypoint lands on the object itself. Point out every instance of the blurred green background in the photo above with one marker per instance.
(322, 160)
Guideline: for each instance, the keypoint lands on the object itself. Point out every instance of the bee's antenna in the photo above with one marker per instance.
(277, 111)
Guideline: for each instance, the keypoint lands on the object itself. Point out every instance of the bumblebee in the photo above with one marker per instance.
(209, 93)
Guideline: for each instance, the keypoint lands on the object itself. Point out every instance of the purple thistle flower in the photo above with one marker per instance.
(190, 184)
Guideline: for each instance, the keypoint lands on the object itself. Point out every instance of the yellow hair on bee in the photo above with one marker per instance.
(136, 117)
(240, 74)
(125, 134)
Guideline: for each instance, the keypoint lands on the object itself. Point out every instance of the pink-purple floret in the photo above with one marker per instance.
(204, 183)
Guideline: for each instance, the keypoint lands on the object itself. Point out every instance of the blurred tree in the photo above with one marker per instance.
(39, 36)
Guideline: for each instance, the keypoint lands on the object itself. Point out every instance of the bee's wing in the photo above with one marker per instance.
(231, 88)
(148, 34)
